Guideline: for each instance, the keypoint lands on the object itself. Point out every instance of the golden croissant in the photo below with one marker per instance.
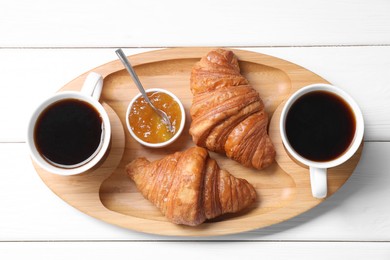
(189, 187)
(228, 115)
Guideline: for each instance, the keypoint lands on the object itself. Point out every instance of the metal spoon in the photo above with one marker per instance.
(137, 82)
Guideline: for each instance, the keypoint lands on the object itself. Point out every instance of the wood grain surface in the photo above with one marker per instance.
(203, 23)
(45, 44)
(107, 194)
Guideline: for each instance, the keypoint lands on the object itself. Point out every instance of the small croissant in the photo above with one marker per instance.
(189, 187)
(227, 113)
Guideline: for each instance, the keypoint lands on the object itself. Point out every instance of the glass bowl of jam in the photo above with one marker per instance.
(147, 127)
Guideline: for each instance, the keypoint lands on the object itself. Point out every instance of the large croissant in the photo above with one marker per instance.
(189, 187)
(227, 113)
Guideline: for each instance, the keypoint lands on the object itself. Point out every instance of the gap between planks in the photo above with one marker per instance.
(195, 240)
(184, 46)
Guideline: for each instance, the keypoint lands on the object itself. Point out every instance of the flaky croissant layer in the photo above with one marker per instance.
(189, 187)
(227, 113)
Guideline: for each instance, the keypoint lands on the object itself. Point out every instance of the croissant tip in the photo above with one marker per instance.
(132, 167)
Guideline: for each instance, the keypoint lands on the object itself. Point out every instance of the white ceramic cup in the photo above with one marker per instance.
(178, 132)
(89, 93)
(318, 170)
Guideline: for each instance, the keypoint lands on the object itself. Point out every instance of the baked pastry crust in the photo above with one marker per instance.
(227, 113)
(189, 187)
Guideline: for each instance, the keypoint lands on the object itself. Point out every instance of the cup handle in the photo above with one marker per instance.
(318, 180)
(93, 85)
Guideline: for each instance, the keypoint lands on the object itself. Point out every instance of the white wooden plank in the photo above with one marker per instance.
(357, 212)
(29, 75)
(361, 71)
(196, 250)
(92, 23)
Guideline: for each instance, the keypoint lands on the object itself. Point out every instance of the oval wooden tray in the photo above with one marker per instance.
(108, 194)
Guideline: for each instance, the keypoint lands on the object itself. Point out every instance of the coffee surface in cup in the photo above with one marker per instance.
(68, 132)
(320, 126)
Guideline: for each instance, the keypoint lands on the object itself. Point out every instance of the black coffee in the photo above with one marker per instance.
(68, 132)
(320, 126)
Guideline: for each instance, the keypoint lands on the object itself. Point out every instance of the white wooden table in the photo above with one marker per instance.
(45, 44)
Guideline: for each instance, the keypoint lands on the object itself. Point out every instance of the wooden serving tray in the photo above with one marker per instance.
(108, 194)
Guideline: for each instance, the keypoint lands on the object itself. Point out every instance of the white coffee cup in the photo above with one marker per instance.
(318, 169)
(89, 93)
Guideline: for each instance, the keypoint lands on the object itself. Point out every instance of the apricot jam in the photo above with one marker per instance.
(147, 125)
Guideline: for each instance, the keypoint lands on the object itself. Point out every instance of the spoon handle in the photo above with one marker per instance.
(132, 73)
